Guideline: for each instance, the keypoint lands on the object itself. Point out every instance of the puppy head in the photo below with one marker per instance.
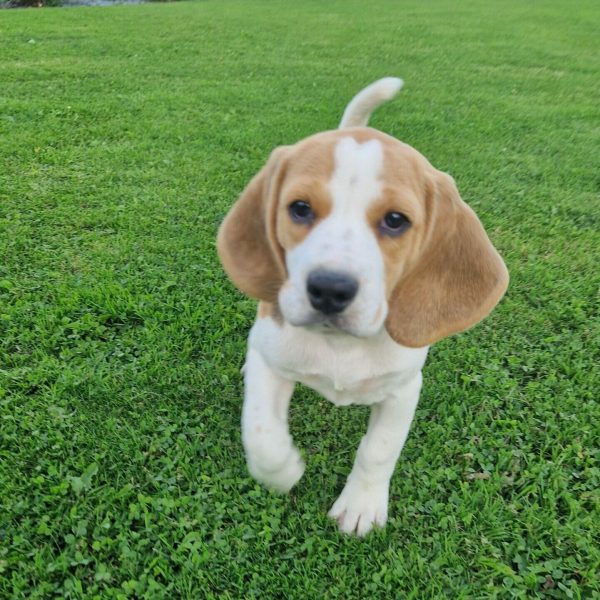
(352, 230)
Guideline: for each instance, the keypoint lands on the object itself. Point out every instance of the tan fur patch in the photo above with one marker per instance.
(289, 233)
(269, 310)
(246, 242)
(456, 276)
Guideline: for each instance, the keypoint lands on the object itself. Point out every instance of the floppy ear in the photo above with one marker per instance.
(246, 241)
(458, 278)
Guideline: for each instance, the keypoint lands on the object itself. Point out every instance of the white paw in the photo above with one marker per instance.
(280, 475)
(360, 507)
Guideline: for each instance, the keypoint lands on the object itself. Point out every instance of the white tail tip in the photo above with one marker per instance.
(361, 107)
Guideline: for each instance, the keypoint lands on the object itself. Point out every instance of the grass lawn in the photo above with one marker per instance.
(125, 135)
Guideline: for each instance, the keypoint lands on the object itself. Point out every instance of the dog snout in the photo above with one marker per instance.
(330, 292)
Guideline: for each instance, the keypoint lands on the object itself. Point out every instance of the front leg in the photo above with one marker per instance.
(364, 499)
(271, 455)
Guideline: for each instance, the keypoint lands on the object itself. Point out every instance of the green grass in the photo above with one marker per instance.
(125, 135)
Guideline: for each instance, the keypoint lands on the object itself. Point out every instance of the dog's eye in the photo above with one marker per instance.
(394, 223)
(301, 212)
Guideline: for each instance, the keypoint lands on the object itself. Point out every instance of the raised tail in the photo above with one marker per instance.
(359, 110)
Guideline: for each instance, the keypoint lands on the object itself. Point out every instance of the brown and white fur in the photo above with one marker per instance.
(320, 210)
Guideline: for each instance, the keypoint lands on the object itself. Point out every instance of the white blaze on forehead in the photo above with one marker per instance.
(343, 242)
(355, 182)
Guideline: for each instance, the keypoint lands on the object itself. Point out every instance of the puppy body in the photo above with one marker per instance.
(362, 255)
(344, 369)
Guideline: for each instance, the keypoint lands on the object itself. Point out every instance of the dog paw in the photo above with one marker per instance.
(360, 507)
(279, 475)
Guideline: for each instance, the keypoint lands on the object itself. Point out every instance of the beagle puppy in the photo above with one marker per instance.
(362, 255)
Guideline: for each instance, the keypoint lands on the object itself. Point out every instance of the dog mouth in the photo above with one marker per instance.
(353, 322)
(330, 325)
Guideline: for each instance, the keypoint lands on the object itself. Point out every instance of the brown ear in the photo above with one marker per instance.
(458, 278)
(246, 241)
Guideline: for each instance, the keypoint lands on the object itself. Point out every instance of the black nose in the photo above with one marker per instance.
(330, 292)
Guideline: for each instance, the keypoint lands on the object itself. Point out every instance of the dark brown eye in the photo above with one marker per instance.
(301, 212)
(394, 223)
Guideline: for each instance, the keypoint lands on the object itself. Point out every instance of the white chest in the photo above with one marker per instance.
(344, 369)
